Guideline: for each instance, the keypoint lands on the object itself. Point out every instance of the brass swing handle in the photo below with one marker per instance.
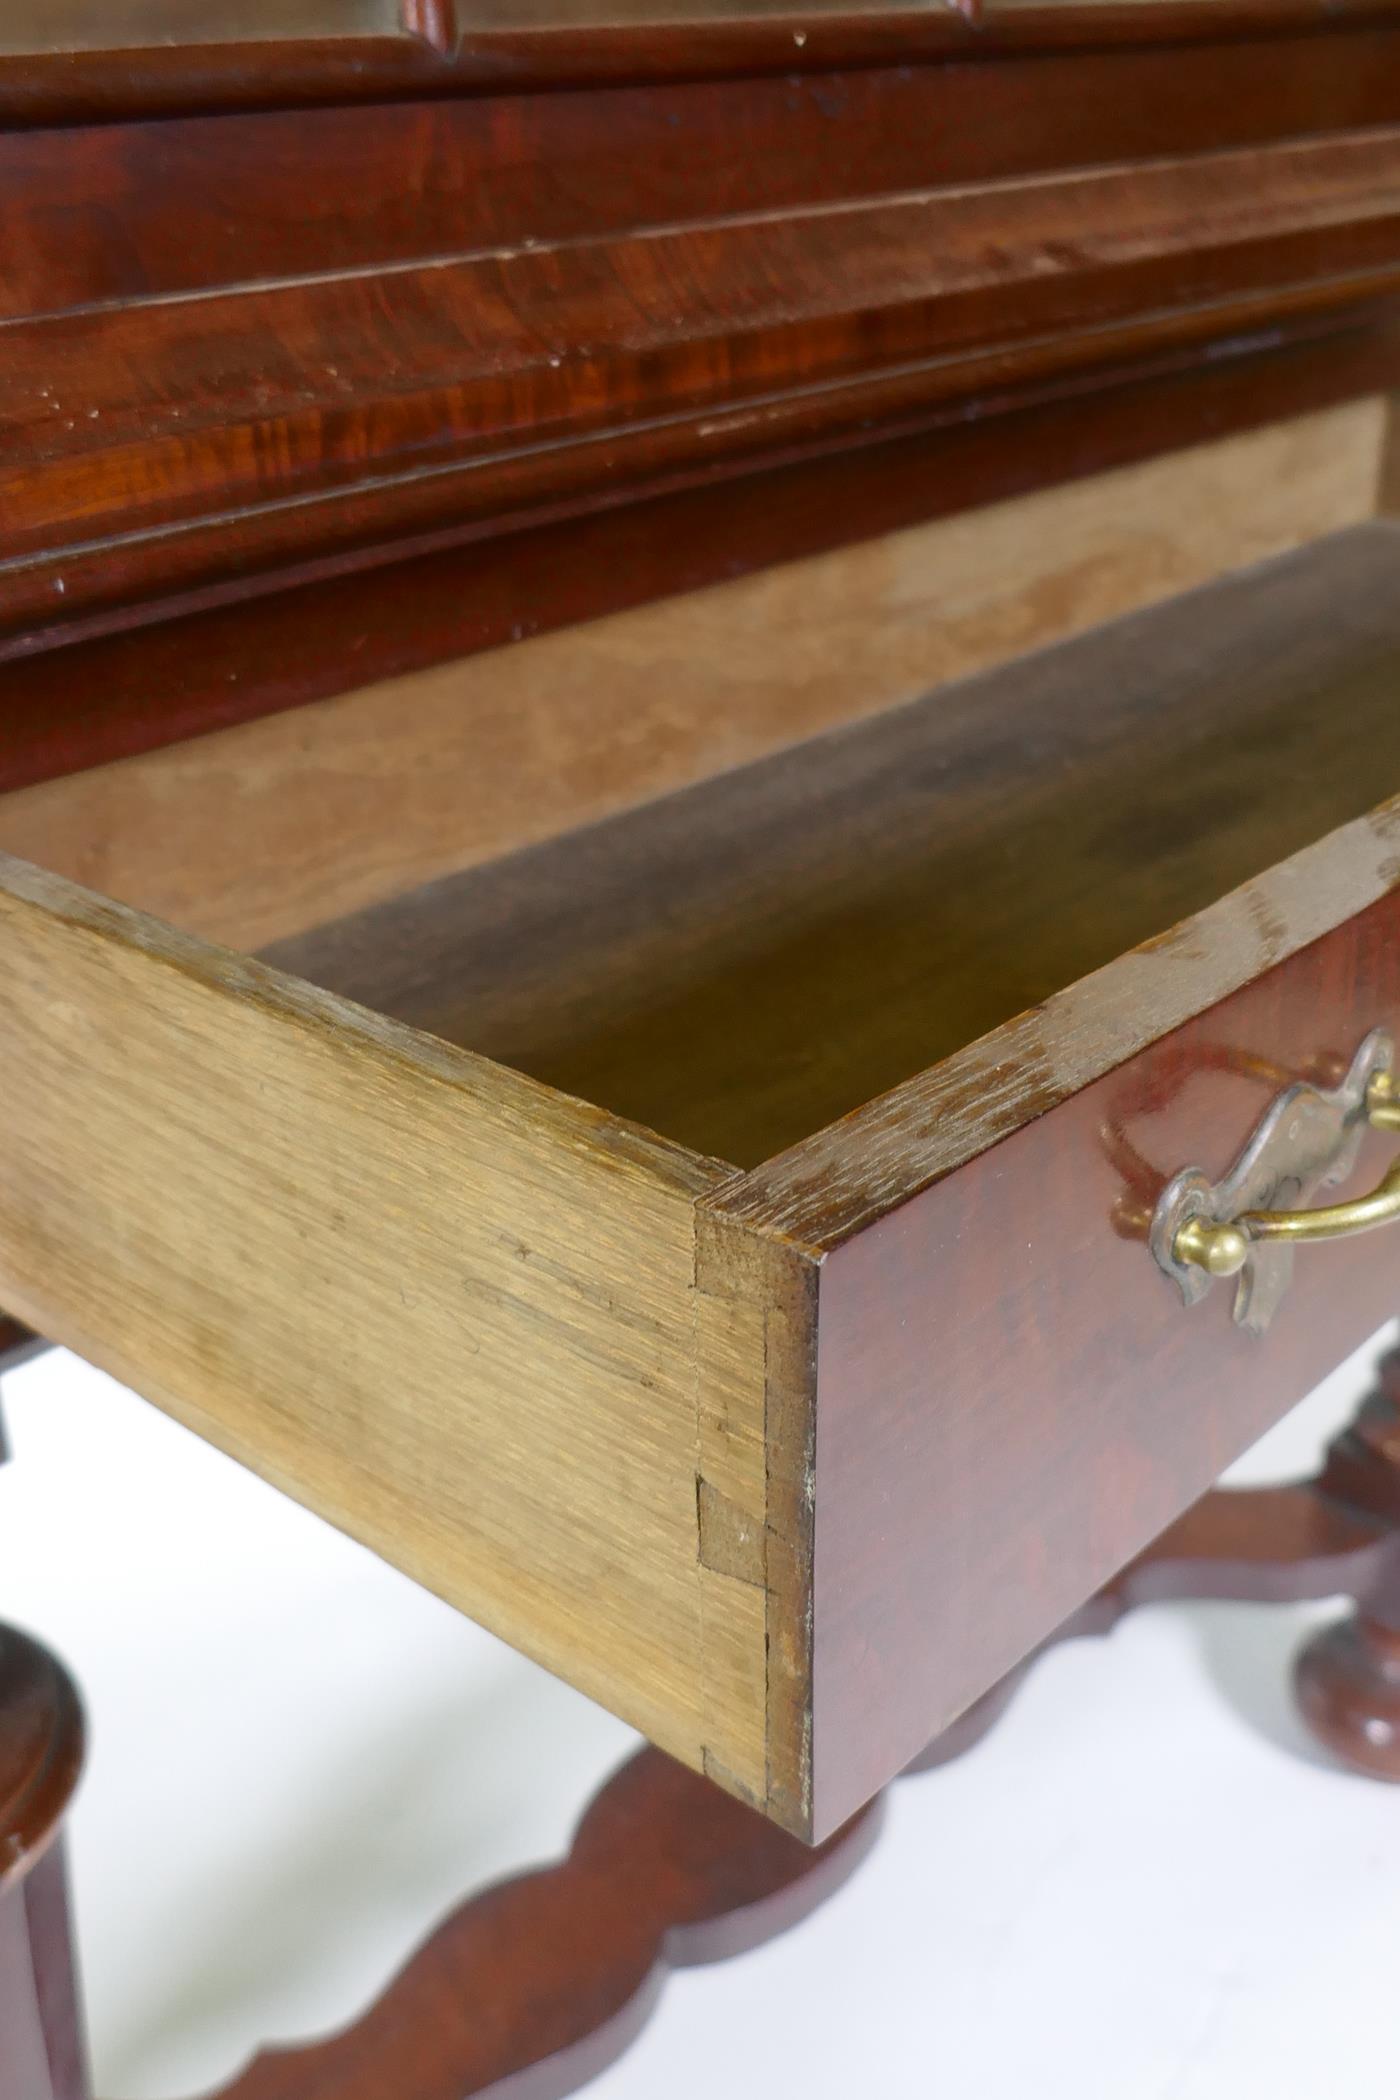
(1223, 1250)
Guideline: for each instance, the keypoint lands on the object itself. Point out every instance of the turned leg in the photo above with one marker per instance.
(1348, 1683)
(1348, 1678)
(42, 2053)
(42, 2056)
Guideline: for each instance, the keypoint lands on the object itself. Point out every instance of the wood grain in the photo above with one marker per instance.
(670, 1430)
(1307, 641)
(115, 695)
(178, 446)
(448, 1309)
(1010, 1399)
(1388, 498)
(262, 831)
(134, 211)
(926, 897)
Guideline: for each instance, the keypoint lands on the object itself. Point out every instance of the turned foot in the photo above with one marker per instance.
(1348, 1682)
(1348, 1677)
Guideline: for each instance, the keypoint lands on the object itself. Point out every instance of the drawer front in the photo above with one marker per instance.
(448, 1309)
(1012, 1399)
(980, 1395)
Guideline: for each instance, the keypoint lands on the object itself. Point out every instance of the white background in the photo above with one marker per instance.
(1145, 1885)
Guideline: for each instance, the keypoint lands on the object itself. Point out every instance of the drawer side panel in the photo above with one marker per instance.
(445, 1308)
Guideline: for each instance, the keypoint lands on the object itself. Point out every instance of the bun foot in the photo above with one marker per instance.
(1348, 1684)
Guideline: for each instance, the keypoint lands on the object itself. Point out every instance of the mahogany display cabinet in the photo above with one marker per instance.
(700, 874)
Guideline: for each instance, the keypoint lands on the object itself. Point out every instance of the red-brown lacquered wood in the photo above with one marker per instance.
(133, 211)
(1283, 1545)
(1348, 1678)
(534, 1987)
(1348, 1684)
(120, 694)
(42, 2055)
(223, 440)
(1006, 1381)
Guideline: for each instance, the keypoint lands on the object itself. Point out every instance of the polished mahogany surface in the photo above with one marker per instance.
(1005, 1380)
(123, 693)
(602, 255)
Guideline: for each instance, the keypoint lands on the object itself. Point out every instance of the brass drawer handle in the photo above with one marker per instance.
(1223, 1250)
(1248, 1224)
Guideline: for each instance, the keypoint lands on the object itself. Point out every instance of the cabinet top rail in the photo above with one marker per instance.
(75, 60)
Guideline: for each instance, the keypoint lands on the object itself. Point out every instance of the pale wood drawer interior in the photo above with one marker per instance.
(742, 963)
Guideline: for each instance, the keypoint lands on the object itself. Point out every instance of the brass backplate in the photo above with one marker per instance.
(1307, 1139)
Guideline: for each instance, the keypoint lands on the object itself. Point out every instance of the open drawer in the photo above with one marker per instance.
(712, 1247)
